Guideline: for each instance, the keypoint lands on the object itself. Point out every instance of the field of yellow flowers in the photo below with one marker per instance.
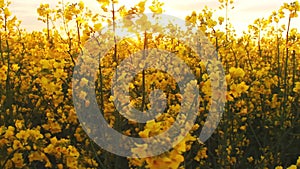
(39, 128)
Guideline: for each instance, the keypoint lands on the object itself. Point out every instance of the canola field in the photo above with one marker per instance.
(260, 71)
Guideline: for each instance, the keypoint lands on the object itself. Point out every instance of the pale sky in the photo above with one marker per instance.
(244, 13)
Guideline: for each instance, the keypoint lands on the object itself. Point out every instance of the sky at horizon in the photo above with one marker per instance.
(243, 14)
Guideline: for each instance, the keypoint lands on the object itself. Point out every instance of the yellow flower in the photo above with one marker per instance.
(17, 145)
(7, 12)
(297, 87)
(15, 67)
(53, 140)
(9, 132)
(60, 166)
(206, 88)
(234, 91)
(137, 162)
(55, 127)
(3, 68)
(250, 159)
(59, 73)
(176, 159)
(242, 87)
(3, 142)
(201, 154)
(3, 75)
(35, 156)
(81, 5)
(155, 163)
(49, 149)
(23, 134)
(73, 151)
(243, 128)
(298, 162)
(19, 124)
(228, 78)
(45, 158)
(221, 20)
(236, 72)
(141, 5)
(144, 133)
(18, 160)
(35, 134)
(292, 167)
(72, 162)
(181, 147)
(1, 3)
(45, 64)
(229, 97)
(78, 135)
(156, 7)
